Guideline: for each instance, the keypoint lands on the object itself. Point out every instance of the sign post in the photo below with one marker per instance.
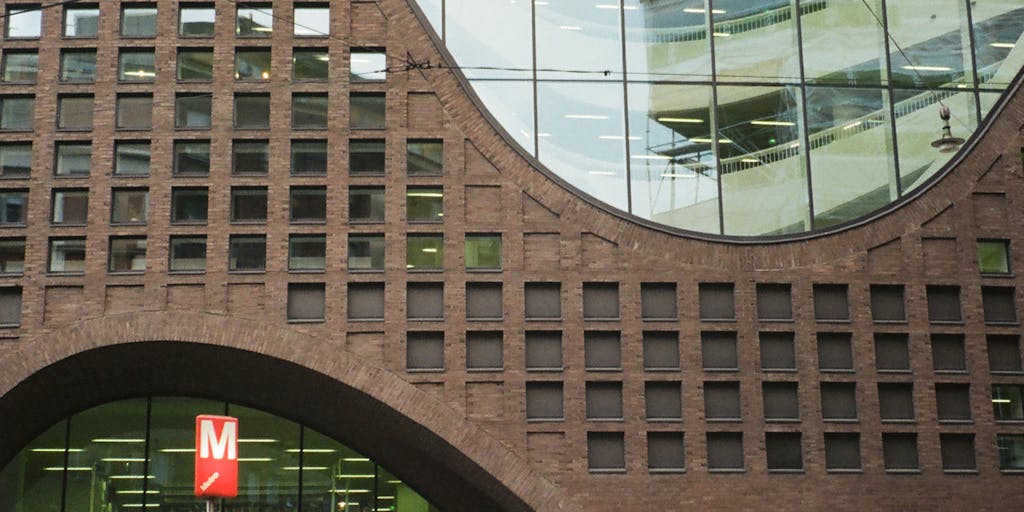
(216, 459)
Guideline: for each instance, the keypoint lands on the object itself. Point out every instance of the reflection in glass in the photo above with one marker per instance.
(998, 27)
(490, 34)
(254, 21)
(667, 41)
(932, 35)
(828, 55)
(573, 36)
(34, 477)
(511, 104)
(918, 124)
(309, 64)
(756, 41)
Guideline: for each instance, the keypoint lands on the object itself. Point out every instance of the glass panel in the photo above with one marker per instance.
(309, 111)
(582, 136)
(252, 111)
(193, 111)
(252, 64)
(1011, 451)
(672, 160)
(73, 159)
(113, 442)
(78, 66)
(15, 159)
(366, 204)
(131, 158)
(12, 207)
(852, 163)
(130, 206)
(308, 204)
(367, 111)
(506, 28)
(764, 175)
(312, 21)
(993, 257)
(12, 259)
(756, 42)
(511, 104)
(191, 157)
(195, 64)
(366, 252)
(249, 204)
(918, 124)
(81, 21)
(424, 252)
(310, 64)
(172, 441)
(425, 157)
(309, 157)
(424, 204)
(1007, 402)
(20, 66)
(138, 21)
(127, 255)
(136, 66)
(33, 480)
(23, 22)
(998, 27)
(829, 58)
(250, 157)
(70, 207)
(17, 112)
(189, 205)
(247, 253)
(307, 252)
(366, 157)
(574, 35)
(254, 21)
(432, 10)
(368, 65)
(933, 46)
(188, 254)
(74, 113)
(667, 40)
(135, 112)
(196, 21)
(268, 455)
(483, 252)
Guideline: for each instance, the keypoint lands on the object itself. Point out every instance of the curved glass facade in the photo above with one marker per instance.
(736, 117)
(138, 455)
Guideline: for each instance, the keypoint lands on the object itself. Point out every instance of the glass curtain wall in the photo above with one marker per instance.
(737, 117)
(138, 455)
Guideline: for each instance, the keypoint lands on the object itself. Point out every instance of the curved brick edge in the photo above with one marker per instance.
(1002, 135)
(175, 352)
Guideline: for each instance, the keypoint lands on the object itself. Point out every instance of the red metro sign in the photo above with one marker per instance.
(216, 456)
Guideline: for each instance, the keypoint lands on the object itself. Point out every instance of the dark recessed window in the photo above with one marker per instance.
(542, 301)
(17, 112)
(188, 254)
(196, 20)
(661, 350)
(1004, 353)
(784, 451)
(953, 402)
(896, 401)
(368, 65)
(12, 256)
(134, 111)
(600, 301)
(129, 205)
(366, 157)
(604, 400)
(306, 302)
(307, 252)
(544, 401)
(366, 252)
(250, 157)
(1011, 451)
(310, 64)
(948, 353)
(308, 204)
(195, 64)
(543, 350)
(658, 301)
(774, 302)
(81, 21)
(425, 301)
(252, 64)
(602, 350)
(366, 204)
(777, 352)
(138, 20)
(247, 253)
(423, 350)
(20, 66)
(999, 304)
(839, 401)
(248, 204)
(842, 451)
(958, 452)
(718, 350)
(944, 304)
(189, 205)
(252, 111)
(74, 112)
(887, 304)
(77, 65)
(67, 255)
(725, 451)
(13, 207)
(70, 207)
(722, 400)
(73, 159)
(484, 301)
(424, 252)
(366, 111)
(666, 452)
(424, 157)
(131, 158)
(900, 452)
(606, 452)
(366, 302)
(994, 256)
(835, 353)
(831, 303)
(716, 301)
(663, 401)
(191, 157)
(136, 65)
(254, 20)
(15, 159)
(424, 204)
(192, 111)
(309, 111)
(484, 350)
(309, 157)
(127, 254)
(780, 401)
(892, 353)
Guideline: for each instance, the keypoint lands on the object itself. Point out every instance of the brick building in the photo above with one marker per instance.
(302, 214)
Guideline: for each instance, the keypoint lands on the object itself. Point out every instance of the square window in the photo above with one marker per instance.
(602, 350)
(366, 252)
(191, 157)
(366, 157)
(543, 350)
(835, 352)
(81, 21)
(718, 350)
(196, 20)
(73, 158)
(999, 304)
(994, 256)
(666, 452)
(129, 206)
(20, 66)
(195, 64)
(193, 111)
(544, 401)
(784, 451)
(484, 350)
(483, 252)
(424, 204)
(366, 204)
(953, 402)
(424, 350)
(309, 157)
(831, 303)
(663, 401)
(247, 253)
(310, 64)
(138, 20)
(10, 306)
(12, 256)
(716, 301)
(1011, 451)
(948, 353)
(606, 452)
(77, 65)
(600, 301)
(252, 111)
(424, 157)
(774, 302)
(958, 452)
(366, 302)
(424, 252)
(661, 350)
(424, 301)
(131, 158)
(308, 204)
(15, 159)
(250, 157)
(307, 252)
(892, 353)
(17, 112)
(725, 451)
(900, 452)
(944, 304)
(722, 401)
(306, 302)
(189, 205)
(188, 254)
(254, 20)
(896, 401)
(780, 401)
(249, 204)
(887, 303)
(366, 111)
(67, 255)
(839, 401)
(1004, 353)
(127, 254)
(1007, 402)
(483, 301)
(658, 301)
(312, 20)
(777, 352)
(542, 301)
(252, 64)
(309, 111)
(842, 451)
(134, 111)
(604, 400)
(13, 207)
(70, 207)
(368, 65)
(74, 112)
(136, 66)
(23, 22)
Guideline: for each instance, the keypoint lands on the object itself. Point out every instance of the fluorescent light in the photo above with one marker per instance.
(140, 505)
(543, 134)
(262, 29)
(773, 123)
(356, 459)
(351, 491)
(324, 58)
(927, 68)
(305, 468)
(603, 173)
(570, 27)
(418, 194)
(311, 450)
(705, 140)
(118, 440)
(56, 450)
(140, 491)
(394, 482)
(539, 2)
(385, 497)
(140, 73)
(692, 10)
(178, 450)
(430, 249)
(123, 459)
(674, 175)
(70, 468)
(357, 475)
(1001, 400)
(650, 157)
(686, 120)
(606, 6)
(585, 116)
(852, 125)
(257, 440)
(722, 34)
(750, 161)
(611, 137)
(254, 459)
(131, 477)
(1002, 45)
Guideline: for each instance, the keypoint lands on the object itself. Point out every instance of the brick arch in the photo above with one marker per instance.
(453, 463)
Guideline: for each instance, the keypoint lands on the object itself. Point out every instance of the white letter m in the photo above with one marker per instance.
(226, 442)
